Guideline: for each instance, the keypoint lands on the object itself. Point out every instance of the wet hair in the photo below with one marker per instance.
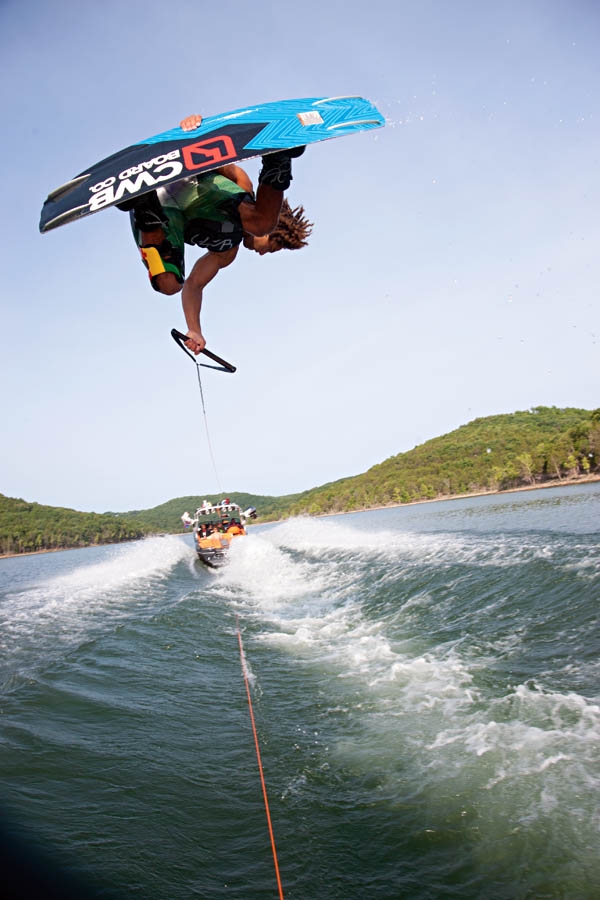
(292, 229)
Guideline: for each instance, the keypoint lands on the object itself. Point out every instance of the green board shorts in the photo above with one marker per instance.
(201, 211)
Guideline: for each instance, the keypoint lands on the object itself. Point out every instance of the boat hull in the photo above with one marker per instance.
(212, 558)
(214, 529)
(212, 550)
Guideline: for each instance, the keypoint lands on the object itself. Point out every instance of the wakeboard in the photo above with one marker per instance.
(220, 140)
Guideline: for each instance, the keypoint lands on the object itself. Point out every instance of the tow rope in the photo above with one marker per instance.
(223, 366)
(260, 767)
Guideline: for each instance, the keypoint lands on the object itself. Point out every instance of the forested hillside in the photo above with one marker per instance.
(537, 446)
(489, 454)
(167, 516)
(28, 527)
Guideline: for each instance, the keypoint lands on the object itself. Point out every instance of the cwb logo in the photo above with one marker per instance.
(143, 176)
(164, 168)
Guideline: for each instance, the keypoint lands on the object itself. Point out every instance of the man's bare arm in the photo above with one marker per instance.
(203, 272)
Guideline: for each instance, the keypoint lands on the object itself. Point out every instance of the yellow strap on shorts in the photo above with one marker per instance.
(153, 260)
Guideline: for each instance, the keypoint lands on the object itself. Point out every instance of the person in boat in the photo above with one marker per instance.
(216, 211)
(235, 528)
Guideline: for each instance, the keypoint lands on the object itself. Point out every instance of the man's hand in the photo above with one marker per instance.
(190, 123)
(195, 342)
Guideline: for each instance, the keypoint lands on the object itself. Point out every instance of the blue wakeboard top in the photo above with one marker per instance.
(220, 140)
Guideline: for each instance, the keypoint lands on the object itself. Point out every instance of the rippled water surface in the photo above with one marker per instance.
(425, 685)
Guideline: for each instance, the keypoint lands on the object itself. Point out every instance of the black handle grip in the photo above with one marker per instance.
(223, 366)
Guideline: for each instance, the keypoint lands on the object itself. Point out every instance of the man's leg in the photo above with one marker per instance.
(261, 217)
(275, 177)
(158, 255)
(158, 232)
(277, 168)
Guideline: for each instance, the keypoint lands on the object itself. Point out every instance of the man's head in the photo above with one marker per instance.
(290, 233)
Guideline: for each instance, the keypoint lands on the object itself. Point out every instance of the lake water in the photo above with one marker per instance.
(425, 683)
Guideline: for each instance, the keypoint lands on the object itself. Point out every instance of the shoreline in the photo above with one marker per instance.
(59, 549)
(565, 482)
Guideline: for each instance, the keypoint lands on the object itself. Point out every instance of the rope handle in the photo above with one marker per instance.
(223, 366)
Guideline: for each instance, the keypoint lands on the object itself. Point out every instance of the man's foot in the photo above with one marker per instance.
(277, 168)
(148, 214)
(147, 219)
(294, 152)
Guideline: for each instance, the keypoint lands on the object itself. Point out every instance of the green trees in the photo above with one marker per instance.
(493, 453)
(30, 527)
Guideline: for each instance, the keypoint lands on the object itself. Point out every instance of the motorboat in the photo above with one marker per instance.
(215, 526)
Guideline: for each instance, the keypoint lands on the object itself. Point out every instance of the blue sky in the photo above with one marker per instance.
(453, 271)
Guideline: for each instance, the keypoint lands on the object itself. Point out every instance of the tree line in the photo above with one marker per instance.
(528, 448)
(32, 527)
(495, 453)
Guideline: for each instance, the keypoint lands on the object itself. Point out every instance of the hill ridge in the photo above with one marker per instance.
(528, 448)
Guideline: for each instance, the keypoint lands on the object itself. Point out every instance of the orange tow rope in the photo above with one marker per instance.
(260, 768)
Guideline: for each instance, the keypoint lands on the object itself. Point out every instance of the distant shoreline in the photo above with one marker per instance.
(563, 482)
(57, 550)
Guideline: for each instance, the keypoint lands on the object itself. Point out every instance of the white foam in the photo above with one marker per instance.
(61, 608)
(407, 708)
(542, 743)
(320, 538)
(265, 576)
(126, 563)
